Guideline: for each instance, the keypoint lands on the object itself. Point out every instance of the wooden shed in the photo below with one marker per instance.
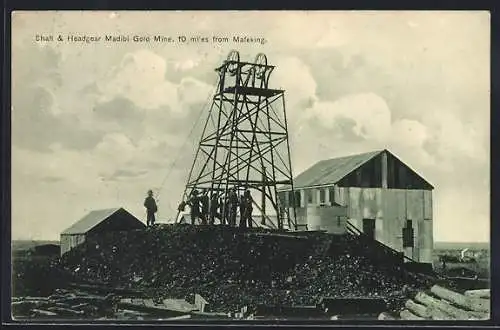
(384, 198)
(98, 221)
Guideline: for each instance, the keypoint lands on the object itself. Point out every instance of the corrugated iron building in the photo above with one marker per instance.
(98, 221)
(382, 197)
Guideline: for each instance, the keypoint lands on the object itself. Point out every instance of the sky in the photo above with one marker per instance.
(97, 124)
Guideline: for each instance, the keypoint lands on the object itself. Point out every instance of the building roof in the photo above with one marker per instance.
(90, 221)
(331, 171)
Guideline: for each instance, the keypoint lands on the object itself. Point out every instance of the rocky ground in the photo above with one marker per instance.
(232, 269)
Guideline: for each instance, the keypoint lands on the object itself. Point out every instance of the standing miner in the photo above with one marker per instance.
(214, 206)
(243, 220)
(194, 203)
(233, 207)
(224, 210)
(248, 208)
(204, 206)
(151, 208)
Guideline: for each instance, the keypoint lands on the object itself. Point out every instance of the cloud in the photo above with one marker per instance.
(36, 126)
(140, 77)
(369, 112)
(125, 175)
(52, 179)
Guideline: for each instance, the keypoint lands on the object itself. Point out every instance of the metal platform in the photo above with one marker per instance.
(263, 92)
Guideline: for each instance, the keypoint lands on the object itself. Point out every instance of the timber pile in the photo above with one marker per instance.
(443, 304)
(233, 269)
(64, 304)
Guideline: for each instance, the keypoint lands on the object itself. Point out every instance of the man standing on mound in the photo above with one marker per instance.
(151, 208)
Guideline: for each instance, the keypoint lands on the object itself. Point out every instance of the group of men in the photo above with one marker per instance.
(207, 209)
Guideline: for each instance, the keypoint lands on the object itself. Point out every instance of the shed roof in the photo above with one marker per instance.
(331, 171)
(91, 220)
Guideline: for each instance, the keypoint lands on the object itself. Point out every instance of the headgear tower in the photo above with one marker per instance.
(244, 144)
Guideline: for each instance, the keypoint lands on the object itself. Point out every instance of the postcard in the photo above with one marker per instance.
(246, 165)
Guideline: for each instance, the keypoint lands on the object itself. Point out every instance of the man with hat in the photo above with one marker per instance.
(194, 203)
(151, 208)
(233, 206)
(247, 208)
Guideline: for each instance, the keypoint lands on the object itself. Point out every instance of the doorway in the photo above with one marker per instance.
(408, 235)
(369, 228)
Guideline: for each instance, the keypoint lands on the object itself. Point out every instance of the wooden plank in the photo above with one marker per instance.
(481, 293)
(473, 304)
(401, 207)
(103, 287)
(392, 222)
(407, 315)
(181, 317)
(426, 230)
(340, 194)
(368, 203)
(34, 298)
(42, 312)
(149, 307)
(179, 304)
(428, 204)
(205, 315)
(415, 204)
(65, 311)
(354, 203)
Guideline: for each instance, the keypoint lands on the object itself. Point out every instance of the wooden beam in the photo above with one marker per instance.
(417, 309)
(407, 315)
(437, 314)
(482, 293)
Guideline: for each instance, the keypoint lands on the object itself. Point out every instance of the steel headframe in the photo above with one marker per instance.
(244, 144)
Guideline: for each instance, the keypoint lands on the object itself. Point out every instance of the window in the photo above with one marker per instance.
(338, 221)
(322, 196)
(309, 196)
(297, 199)
(331, 195)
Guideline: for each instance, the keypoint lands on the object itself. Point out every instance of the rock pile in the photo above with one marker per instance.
(37, 275)
(233, 269)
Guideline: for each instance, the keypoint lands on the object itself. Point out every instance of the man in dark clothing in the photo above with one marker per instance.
(151, 208)
(233, 207)
(247, 208)
(194, 203)
(242, 212)
(214, 206)
(204, 207)
(224, 211)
